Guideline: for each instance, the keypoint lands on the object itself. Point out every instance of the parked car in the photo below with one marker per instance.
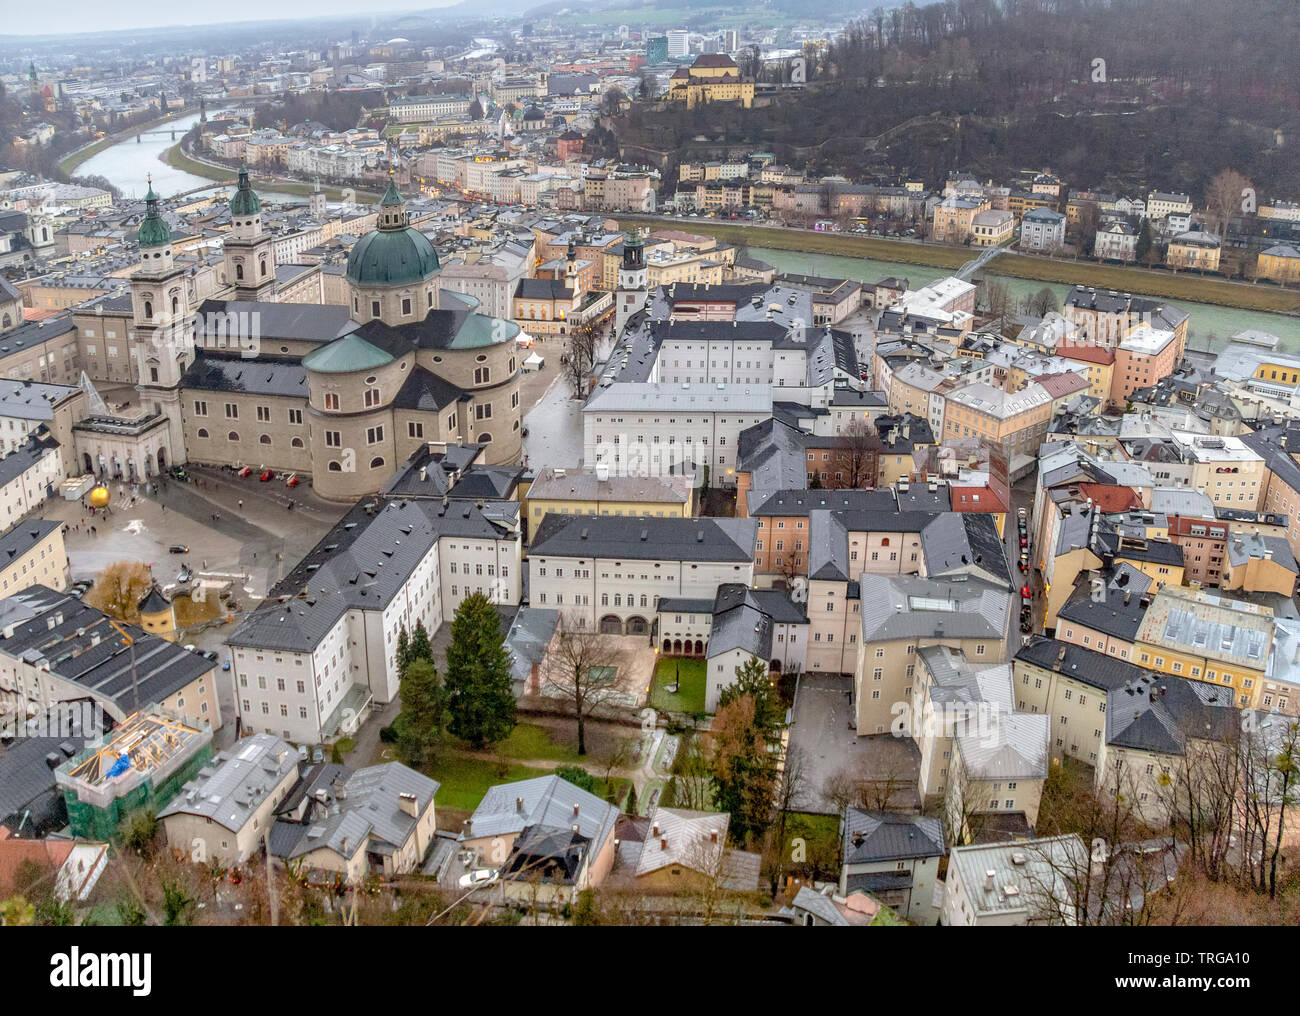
(478, 877)
(226, 665)
(191, 648)
(210, 655)
(246, 471)
(184, 575)
(293, 480)
(178, 548)
(267, 475)
(1024, 541)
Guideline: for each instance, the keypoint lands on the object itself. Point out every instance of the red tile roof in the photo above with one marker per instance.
(1087, 354)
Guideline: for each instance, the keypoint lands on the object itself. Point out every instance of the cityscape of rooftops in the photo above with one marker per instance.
(630, 463)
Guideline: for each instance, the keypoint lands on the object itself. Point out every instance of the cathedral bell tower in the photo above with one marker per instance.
(633, 282)
(249, 251)
(162, 322)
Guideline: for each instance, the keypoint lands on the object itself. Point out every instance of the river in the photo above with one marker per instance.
(1210, 326)
(127, 164)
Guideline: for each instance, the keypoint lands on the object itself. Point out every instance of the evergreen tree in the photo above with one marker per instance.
(421, 648)
(630, 808)
(403, 651)
(480, 698)
(424, 707)
(1143, 241)
(754, 680)
(578, 776)
(475, 110)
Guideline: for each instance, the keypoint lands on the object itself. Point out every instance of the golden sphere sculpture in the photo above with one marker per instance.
(99, 497)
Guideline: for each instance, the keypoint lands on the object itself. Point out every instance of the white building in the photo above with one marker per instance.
(612, 571)
(659, 428)
(322, 647)
(29, 475)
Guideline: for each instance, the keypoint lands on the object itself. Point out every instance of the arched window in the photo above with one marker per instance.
(485, 438)
(176, 306)
(232, 436)
(334, 467)
(203, 432)
(148, 308)
(296, 443)
(6, 321)
(263, 266)
(377, 462)
(264, 439)
(239, 272)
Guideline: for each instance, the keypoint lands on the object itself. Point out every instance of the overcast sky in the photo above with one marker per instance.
(63, 16)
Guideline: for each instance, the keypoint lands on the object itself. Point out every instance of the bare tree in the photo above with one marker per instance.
(789, 788)
(582, 666)
(1224, 197)
(580, 355)
(856, 449)
(119, 588)
(997, 297)
(692, 776)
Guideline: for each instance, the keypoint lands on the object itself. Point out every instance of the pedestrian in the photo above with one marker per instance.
(241, 504)
(94, 531)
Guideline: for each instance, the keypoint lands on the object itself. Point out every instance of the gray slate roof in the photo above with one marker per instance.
(703, 539)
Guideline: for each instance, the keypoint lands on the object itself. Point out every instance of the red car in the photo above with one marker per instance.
(246, 471)
(1024, 591)
(267, 476)
(293, 480)
(1024, 542)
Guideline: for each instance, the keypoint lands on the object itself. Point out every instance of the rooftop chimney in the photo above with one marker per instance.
(663, 843)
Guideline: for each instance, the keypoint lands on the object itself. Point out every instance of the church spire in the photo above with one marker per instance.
(392, 208)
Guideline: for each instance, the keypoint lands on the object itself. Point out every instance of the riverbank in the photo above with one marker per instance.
(1185, 288)
(177, 158)
(69, 163)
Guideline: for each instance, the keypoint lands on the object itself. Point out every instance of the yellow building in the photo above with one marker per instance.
(569, 492)
(953, 217)
(992, 228)
(712, 78)
(1197, 249)
(1280, 263)
(1198, 635)
(157, 615)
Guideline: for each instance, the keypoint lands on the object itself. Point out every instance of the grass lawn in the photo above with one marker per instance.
(821, 843)
(1183, 286)
(690, 696)
(530, 741)
(465, 780)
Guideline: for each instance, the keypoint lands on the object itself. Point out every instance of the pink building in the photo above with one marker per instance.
(1144, 356)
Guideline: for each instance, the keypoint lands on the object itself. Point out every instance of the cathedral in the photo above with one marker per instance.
(340, 395)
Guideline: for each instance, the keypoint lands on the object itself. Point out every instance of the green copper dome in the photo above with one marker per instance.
(244, 201)
(394, 254)
(345, 355)
(154, 231)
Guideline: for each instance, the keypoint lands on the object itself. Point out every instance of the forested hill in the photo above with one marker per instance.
(1118, 93)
